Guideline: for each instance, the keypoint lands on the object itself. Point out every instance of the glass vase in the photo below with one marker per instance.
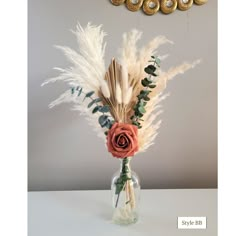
(125, 188)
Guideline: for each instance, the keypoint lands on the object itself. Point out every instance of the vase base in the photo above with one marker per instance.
(123, 217)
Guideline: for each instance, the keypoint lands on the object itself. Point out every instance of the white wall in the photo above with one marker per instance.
(64, 152)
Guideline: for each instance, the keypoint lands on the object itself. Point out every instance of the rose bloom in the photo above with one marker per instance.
(122, 140)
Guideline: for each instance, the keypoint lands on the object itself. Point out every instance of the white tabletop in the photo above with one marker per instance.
(77, 213)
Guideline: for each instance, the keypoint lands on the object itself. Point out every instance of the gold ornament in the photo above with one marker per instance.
(168, 6)
(150, 7)
(133, 5)
(117, 2)
(184, 5)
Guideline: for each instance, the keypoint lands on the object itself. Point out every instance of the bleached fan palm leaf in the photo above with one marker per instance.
(120, 102)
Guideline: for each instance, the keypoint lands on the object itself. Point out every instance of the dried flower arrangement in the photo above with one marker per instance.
(121, 103)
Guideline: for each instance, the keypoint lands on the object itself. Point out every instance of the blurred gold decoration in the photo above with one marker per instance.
(150, 7)
(134, 5)
(168, 6)
(117, 2)
(184, 5)
(200, 2)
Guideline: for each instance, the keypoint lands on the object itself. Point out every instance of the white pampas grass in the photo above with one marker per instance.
(87, 70)
(136, 59)
(135, 63)
(148, 132)
(88, 66)
(63, 98)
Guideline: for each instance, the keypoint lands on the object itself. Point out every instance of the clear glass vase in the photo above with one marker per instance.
(125, 188)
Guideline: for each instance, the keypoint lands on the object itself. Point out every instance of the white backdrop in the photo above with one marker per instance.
(64, 152)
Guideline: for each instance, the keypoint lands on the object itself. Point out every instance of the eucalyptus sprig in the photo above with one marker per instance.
(148, 84)
(122, 180)
(104, 119)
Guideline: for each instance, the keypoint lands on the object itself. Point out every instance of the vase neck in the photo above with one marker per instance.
(125, 165)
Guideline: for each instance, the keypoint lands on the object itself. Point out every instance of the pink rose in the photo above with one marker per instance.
(122, 140)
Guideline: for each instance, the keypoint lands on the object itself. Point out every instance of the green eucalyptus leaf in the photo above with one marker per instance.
(91, 103)
(141, 109)
(151, 85)
(138, 113)
(103, 119)
(106, 132)
(143, 103)
(152, 67)
(136, 123)
(80, 91)
(104, 109)
(94, 101)
(148, 70)
(98, 100)
(108, 124)
(140, 96)
(158, 61)
(144, 83)
(89, 94)
(146, 98)
(119, 181)
(145, 92)
(95, 109)
(119, 188)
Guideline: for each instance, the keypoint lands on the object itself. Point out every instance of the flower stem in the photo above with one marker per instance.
(123, 179)
(117, 200)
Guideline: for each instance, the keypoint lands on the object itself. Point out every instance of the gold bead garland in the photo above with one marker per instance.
(150, 7)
